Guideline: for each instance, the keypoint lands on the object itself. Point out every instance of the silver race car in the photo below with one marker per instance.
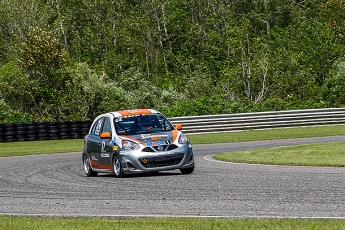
(136, 141)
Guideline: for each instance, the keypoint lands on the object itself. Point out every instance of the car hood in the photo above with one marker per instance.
(154, 139)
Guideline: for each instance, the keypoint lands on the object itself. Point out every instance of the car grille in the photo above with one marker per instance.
(159, 148)
(161, 160)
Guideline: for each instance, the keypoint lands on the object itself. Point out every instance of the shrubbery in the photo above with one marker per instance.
(75, 60)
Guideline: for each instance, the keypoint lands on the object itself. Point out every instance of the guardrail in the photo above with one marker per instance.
(260, 120)
(33, 131)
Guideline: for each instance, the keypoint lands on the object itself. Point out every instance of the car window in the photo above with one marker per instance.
(151, 123)
(96, 129)
(107, 125)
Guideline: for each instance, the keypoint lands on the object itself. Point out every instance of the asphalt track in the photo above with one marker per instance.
(55, 185)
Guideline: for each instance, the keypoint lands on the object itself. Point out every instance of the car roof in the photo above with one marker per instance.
(135, 112)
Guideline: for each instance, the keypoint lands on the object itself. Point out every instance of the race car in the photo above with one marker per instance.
(134, 142)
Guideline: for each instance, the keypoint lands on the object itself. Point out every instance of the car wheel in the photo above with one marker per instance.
(187, 170)
(117, 167)
(87, 167)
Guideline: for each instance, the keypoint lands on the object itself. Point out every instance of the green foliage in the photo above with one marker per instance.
(87, 89)
(186, 57)
(332, 14)
(290, 103)
(15, 87)
(113, 98)
(203, 106)
(333, 90)
(8, 115)
(44, 59)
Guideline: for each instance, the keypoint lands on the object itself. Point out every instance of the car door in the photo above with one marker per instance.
(106, 146)
(94, 143)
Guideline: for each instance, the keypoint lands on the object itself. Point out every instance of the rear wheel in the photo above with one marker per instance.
(117, 167)
(87, 167)
(187, 170)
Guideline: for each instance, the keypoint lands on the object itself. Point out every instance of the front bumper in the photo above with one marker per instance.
(138, 161)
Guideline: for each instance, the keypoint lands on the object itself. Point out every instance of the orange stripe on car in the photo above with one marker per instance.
(100, 166)
(174, 133)
(130, 138)
(134, 112)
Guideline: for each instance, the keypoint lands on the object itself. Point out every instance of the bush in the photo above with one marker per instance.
(8, 115)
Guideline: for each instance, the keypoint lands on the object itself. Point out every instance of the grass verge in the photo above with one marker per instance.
(76, 145)
(40, 147)
(323, 154)
(34, 223)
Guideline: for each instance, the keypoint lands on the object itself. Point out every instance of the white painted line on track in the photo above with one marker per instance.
(210, 158)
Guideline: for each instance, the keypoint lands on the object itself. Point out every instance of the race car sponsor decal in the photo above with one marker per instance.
(94, 158)
(156, 143)
(118, 119)
(117, 141)
(103, 147)
(115, 148)
(156, 138)
(153, 137)
(104, 154)
(161, 154)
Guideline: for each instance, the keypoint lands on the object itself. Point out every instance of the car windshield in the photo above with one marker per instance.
(150, 123)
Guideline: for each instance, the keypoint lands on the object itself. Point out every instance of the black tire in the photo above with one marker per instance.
(87, 167)
(32, 139)
(10, 139)
(31, 128)
(187, 170)
(10, 127)
(21, 139)
(54, 136)
(22, 132)
(21, 127)
(2, 127)
(117, 167)
(10, 133)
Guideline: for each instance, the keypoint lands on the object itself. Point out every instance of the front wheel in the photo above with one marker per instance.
(117, 167)
(187, 170)
(87, 167)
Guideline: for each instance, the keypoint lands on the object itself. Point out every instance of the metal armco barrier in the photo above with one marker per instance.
(33, 131)
(260, 120)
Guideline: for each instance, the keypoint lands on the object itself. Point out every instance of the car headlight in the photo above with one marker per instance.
(130, 145)
(182, 139)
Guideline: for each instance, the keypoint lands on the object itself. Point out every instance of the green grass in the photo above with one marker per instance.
(39, 147)
(76, 145)
(326, 154)
(323, 154)
(34, 223)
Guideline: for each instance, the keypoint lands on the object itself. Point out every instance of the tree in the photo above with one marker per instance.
(247, 73)
(332, 14)
(45, 60)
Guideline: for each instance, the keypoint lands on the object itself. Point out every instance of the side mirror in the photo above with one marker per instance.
(105, 135)
(178, 127)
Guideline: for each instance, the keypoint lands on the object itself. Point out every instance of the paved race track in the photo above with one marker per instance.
(55, 185)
